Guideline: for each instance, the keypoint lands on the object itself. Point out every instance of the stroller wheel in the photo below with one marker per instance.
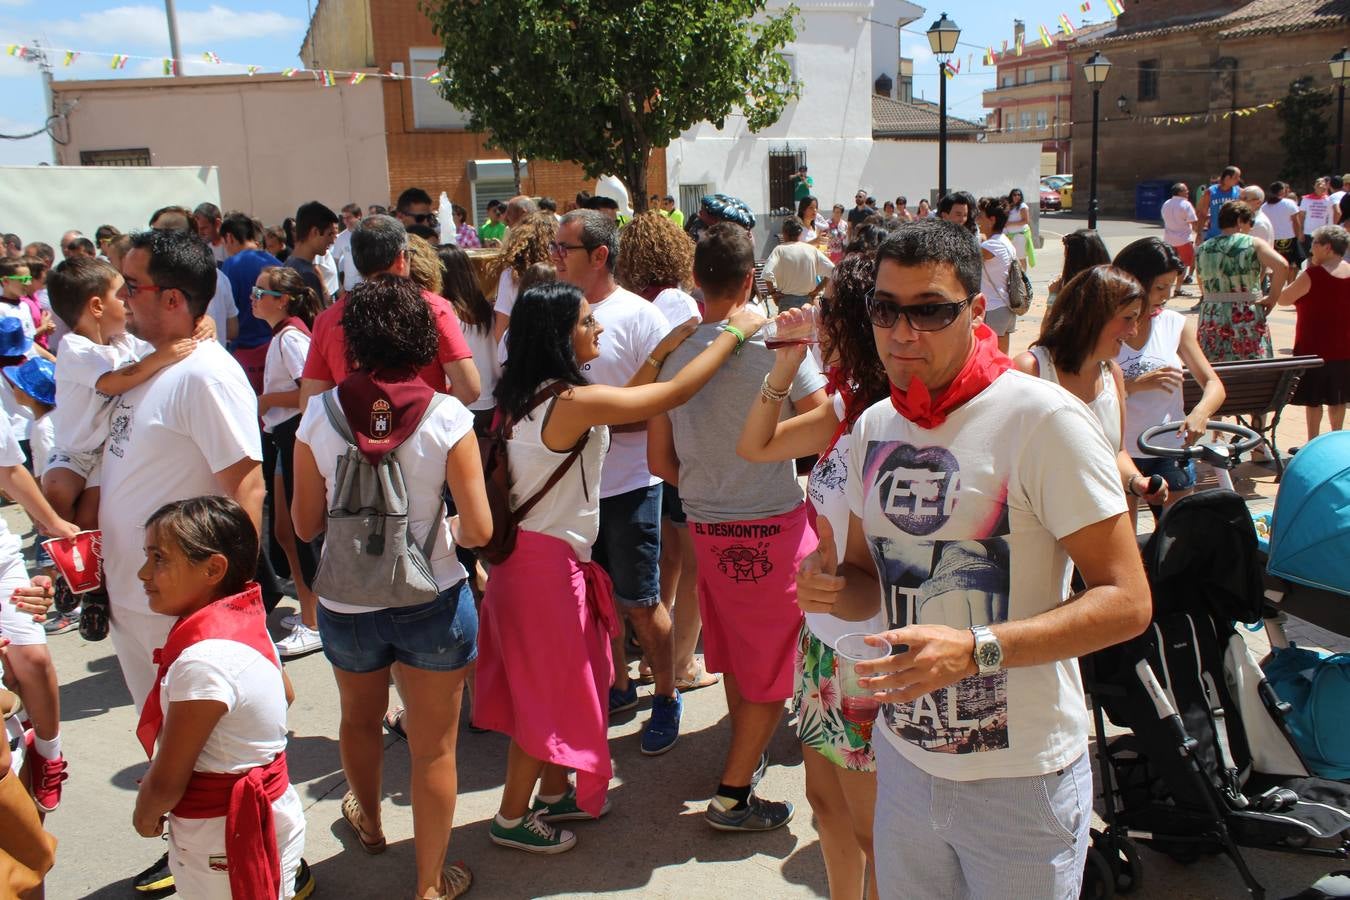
(1098, 882)
(1122, 857)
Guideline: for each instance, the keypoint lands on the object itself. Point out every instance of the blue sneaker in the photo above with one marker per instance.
(663, 728)
(622, 701)
(758, 815)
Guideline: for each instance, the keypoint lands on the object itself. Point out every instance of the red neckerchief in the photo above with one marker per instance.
(382, 414)
(985, 363)
(291, 322)
(245, 799)
(240, 617)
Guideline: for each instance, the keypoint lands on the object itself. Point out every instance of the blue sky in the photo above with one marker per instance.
(268, 33)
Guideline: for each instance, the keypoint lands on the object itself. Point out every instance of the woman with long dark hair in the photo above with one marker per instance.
(1099, 310)
(427, 647)
(840, 768)
(1018, 228)
(460, 286)
(549, 593)
(1151, 364)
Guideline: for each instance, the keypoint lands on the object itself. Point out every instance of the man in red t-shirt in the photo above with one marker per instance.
(379, 246)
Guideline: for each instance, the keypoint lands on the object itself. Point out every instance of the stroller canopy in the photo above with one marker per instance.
(1310, 529)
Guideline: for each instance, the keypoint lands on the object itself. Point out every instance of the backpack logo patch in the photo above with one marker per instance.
(381, 419)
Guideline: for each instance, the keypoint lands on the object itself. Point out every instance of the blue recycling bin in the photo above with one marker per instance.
(1149, 196)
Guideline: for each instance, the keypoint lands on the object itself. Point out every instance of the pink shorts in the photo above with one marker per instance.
(747, 592)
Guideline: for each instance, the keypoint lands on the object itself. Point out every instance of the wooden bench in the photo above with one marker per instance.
(1255, 388)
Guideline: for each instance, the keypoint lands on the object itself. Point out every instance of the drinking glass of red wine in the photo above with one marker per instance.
(859, 703)
(792, 326)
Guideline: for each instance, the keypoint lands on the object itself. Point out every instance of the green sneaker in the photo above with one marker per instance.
(533, 835)
(566, 809)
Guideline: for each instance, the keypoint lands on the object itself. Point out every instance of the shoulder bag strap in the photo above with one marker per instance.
(519, 514)
(336, 417)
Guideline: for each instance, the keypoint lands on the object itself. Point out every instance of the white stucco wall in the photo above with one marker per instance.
(277, 142)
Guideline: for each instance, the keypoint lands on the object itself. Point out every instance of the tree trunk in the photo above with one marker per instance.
(515, 168)
(637, 178)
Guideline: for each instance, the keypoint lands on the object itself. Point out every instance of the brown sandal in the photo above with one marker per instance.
(351, 812)
(457, 878)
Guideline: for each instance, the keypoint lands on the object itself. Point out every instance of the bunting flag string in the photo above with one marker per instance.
(17, 50)
(71, 56)
(1045, 36)
(357, 77)
(1085, 6)
(1065, 25)
(326, 77)
(1188, 118)
(211, 58)
(119, 61)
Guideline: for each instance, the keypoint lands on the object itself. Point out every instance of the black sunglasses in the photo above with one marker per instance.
(920, 316)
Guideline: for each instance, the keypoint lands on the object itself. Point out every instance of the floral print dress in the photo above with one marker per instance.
(1229, 330)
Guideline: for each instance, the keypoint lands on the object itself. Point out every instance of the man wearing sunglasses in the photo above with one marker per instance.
(977, 486)
(413, 207)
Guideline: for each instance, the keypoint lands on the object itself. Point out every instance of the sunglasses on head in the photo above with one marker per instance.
(920, 316)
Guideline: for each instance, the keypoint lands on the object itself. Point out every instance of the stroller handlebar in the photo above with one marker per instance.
(1219, 454)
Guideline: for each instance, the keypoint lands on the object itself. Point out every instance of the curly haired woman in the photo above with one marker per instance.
(526, 244)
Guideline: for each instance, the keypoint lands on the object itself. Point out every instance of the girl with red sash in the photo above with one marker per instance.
(283, 300)
(544, 663)
(217, 711)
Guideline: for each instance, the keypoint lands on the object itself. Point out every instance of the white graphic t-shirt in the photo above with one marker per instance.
(964, 522)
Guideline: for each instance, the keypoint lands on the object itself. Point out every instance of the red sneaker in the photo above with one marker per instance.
(48, 774)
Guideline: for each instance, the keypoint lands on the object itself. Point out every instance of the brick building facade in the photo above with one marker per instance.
(1202, 59)
(426, 140)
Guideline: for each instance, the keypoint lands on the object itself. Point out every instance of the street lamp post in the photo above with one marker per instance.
(1340, 73)
(1095, 70)
(942, 37)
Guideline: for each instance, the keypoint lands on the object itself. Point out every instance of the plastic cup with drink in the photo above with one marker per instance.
(794, 326)
(859, 703)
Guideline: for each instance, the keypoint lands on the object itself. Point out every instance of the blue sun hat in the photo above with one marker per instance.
(13, 342)
(729, 209)
(36, 378)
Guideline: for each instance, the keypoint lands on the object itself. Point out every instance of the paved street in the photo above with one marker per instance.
(654, 844)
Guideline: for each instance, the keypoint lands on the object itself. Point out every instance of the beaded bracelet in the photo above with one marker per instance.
(771, 394)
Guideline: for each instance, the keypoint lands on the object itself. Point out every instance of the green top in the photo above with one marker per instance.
(675, 216)
(803, 188)
(491, 231)
(1228, 264)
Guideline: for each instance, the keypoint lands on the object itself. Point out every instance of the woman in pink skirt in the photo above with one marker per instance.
(544, 663)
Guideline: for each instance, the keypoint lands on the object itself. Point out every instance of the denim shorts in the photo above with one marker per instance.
(439, 636)
(672, 507)
(629, 545)
(1179, 474)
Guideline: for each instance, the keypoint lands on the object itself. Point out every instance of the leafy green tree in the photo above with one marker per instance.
(603, 83)
(1306, 134)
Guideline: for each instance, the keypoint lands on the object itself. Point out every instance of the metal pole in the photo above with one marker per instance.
(173, 38)
(1092, 181)
(942, 129)
(1340, 124)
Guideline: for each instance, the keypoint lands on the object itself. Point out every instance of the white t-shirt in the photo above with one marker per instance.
(994, 272)
(1335, 199)
(11, 454)
(570, 511)
(826, 490)
(677, 307)
(168, 439)
(1280, 214)
(1316, 212)
(633, 328)
(326, 266)
(341, 247)
(218, 252)
(1178, 216)
(1144, 409)
(19, 310)
(350, 277)
(796, 267)
(1262, 227)
(484, 350)
(1018, 218)
(253, 730)
(422, 457)
(507, 289)
(221, 309)
(82, 413)
(42, 441)
(281, 372)
(964, 523)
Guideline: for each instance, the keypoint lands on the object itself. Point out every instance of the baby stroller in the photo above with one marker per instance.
(1210, 766)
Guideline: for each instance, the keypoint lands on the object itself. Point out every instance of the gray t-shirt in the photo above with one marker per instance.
(310, 274)
(716, 485)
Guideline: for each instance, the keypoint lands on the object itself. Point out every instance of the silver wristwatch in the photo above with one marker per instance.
(988, 651)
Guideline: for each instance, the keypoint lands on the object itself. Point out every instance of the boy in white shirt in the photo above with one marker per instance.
(99, 361)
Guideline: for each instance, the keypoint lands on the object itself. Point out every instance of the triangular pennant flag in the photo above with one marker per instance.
(119, 61)
(18, 50)
(1065, 25)
(1045, 36)
(327, 78)
(289, 73)
(1115, 7)
(211, 57)
(252, 70)
(1085, 6)
(70, 57)
(358, 77)
(434, 76)
(169, 67)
